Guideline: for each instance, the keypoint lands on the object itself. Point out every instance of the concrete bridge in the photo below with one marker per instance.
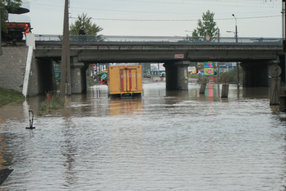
(256, 55)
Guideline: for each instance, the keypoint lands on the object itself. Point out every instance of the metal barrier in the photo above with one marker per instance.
(85, 39)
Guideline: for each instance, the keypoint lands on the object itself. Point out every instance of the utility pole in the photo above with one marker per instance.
(283, 20)
(65, 86)
(1, 30)
(283, 35)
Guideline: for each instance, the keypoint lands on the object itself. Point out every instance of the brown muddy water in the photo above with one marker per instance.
(163, 141)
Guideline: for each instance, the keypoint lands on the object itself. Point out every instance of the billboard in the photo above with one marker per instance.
(208, 68)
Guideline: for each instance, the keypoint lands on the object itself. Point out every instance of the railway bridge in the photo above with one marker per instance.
(256, 56)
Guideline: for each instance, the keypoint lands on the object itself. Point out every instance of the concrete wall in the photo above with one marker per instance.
(12, 71)
(34, 83)
(12, 67)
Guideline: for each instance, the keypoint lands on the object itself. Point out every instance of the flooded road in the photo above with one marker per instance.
(163, 141)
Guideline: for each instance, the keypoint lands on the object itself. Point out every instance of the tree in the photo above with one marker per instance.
(206, 27)
(84, 26)
(8, 6)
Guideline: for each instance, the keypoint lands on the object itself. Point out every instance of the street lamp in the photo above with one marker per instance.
(237, 63)
(236, 37)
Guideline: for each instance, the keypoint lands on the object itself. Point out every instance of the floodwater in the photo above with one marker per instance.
(163, 141)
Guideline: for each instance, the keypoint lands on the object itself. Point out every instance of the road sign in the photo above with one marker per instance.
(179, 56)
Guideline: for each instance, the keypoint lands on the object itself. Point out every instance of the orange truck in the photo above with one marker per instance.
(125, 80)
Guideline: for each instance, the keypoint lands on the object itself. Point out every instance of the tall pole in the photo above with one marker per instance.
(283, 20)
(236, 36)
(65, 86)
(283, 36)
(237, 63)
(1, 31)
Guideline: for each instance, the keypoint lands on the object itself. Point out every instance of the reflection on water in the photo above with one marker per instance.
(125, 106)
(162, 141)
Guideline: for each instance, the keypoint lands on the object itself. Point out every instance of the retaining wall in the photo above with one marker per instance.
(12, 67)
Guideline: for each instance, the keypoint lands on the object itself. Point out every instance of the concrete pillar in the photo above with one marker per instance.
(177, 75)
(78, 77)
(203, 86)
(274, 73)
(255, 74)
(283, 69)
(224, 91)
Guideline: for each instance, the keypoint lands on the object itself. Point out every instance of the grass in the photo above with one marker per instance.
(53, 103)
(8, 96)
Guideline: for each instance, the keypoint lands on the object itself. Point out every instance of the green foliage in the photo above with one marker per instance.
(53, 103)
(8, 6)
(10, 96)
(230, 76)
(206, 26)
(11, 5)
(84, 25)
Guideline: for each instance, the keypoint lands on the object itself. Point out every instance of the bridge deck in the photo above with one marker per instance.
(224, 49)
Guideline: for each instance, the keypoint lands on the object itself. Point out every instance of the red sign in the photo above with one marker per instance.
(179, 56)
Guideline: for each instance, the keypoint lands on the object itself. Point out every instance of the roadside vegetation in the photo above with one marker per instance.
(230, 76)
(84, 26)
(10, 96)
(51, 103)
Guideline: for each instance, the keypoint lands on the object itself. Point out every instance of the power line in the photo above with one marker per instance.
(177, 20)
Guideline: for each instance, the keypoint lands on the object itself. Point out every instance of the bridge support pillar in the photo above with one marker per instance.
(42, 78)
(177, 75)
(78, 77)
(255, 74)
(275, 81)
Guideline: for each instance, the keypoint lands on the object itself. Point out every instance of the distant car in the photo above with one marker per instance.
(163, 74)
(147, 75)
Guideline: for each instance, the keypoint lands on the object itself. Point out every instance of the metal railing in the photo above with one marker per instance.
(89, 40)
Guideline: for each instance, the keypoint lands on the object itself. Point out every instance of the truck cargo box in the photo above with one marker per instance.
(125, 80)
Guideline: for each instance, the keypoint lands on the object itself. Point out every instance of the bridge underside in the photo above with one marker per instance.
(254, 60)
(42, 77)
(177, 75)
(255, 74)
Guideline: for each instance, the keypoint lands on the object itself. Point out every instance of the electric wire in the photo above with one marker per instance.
(177, 20)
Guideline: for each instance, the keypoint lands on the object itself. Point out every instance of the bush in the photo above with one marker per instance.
(10, 96)
(54, 102)
(230, 76)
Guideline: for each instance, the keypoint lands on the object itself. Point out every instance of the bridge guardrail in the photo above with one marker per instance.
(85, 39)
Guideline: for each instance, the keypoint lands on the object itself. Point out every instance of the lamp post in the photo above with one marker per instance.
(237, 63)
(235, 33)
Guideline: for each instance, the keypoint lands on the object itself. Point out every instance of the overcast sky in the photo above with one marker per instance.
(255, 18)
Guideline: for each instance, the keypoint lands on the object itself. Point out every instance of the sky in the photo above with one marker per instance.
(255, 18)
